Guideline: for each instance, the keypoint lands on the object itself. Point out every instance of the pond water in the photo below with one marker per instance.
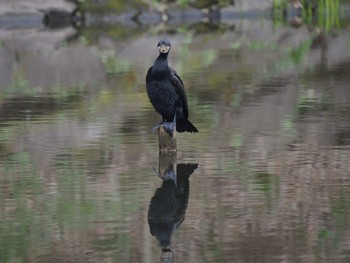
(266, 179)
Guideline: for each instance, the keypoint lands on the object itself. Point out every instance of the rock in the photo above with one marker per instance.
(38, 13)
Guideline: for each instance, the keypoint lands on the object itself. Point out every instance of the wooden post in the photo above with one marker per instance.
(166, 141)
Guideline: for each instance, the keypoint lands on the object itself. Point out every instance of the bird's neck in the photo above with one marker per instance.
(161, 64)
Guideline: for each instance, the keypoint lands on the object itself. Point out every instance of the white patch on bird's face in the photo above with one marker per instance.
(164, 48)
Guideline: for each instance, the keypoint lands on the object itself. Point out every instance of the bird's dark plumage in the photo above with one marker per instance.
(166, 91)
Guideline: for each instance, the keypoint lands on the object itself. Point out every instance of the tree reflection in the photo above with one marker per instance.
(168, 206)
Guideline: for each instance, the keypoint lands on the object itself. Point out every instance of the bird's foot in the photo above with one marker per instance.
(155, 128)
(170, 127)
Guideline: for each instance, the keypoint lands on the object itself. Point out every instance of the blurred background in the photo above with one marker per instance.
(266, 179)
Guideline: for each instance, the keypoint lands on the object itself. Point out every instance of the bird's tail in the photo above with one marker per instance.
(185, 126)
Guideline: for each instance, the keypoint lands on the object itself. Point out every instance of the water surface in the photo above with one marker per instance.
(266, 179)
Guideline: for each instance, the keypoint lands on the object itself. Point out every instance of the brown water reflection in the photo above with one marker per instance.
(77, 153)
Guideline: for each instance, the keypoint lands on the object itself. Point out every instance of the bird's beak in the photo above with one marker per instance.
(163, 49)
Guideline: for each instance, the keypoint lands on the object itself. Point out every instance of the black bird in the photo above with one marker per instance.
(166, 92)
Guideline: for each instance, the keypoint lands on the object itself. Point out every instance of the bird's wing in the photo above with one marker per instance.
(180, 91)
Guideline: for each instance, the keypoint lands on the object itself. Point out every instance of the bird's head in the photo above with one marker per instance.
(164, 46)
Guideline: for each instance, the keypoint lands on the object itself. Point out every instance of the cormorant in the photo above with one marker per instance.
(166, 92)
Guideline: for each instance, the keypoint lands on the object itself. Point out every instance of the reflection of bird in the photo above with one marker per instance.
(168, 205)
(166, 92)
(210, 3)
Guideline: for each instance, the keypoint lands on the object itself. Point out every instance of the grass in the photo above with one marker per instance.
(326, 18)
(329, 14)
(111, 64)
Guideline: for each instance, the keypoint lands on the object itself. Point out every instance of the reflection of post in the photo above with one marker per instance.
(167, 165)
(168, 206)
(166, 141)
